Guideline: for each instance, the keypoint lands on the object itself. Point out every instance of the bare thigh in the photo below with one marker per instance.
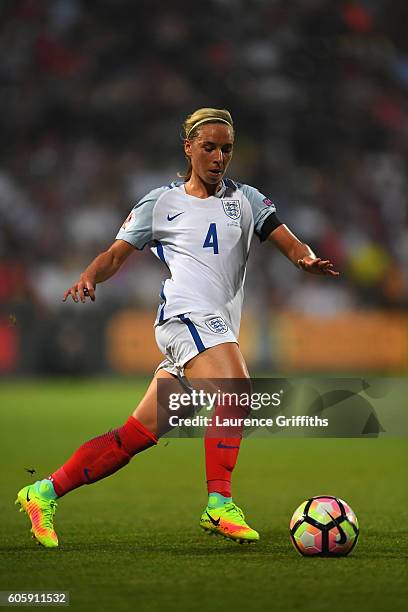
(222, 369)
(221, 361)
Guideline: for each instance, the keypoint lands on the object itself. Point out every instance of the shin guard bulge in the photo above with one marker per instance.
(102, 456)
(222, 445)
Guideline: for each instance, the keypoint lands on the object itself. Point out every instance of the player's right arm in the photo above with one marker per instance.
(135, 233)
(103, 267)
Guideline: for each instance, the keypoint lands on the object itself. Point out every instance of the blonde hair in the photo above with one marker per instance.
(194, 121)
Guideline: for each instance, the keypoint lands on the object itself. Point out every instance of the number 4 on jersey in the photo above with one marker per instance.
(211, 240)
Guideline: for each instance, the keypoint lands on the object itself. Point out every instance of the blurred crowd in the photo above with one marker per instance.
(92, 99)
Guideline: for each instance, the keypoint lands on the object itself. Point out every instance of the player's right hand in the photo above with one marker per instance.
(83, 288)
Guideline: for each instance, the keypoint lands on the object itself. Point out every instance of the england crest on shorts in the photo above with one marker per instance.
(217, 325)
(232, 208)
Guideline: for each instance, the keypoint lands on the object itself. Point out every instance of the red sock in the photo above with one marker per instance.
(221, 450)
(220, 458)
(102, 456)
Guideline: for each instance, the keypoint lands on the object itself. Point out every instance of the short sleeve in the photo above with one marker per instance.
(263, 211)
(137, 229)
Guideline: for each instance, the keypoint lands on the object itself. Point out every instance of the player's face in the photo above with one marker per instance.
(210, 152)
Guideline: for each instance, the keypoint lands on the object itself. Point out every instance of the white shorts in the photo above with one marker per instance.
(183, 337)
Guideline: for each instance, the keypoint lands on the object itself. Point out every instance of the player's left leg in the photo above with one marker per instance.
(222, 516)
(94, 460)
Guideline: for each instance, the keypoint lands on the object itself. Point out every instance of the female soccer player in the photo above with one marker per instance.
(201, 228)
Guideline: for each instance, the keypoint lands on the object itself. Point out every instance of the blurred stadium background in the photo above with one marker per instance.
(93, 95)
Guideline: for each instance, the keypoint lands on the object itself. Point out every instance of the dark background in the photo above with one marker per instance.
(92, 99)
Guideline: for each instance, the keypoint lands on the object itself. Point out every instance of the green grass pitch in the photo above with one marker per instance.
(132, 542)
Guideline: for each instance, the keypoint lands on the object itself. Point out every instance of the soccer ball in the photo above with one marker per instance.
(324, 526)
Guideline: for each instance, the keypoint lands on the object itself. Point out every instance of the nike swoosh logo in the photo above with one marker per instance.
(86, 472)
(27, 496)
(221, 445)
(343, 537)
(174, 216)
(214, 522)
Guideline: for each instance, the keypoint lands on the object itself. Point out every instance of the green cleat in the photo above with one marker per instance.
(228, 521)
(40, 511)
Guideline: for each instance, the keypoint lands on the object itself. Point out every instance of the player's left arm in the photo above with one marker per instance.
(300, 254)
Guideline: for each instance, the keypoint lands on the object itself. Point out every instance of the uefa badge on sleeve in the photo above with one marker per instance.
(128, 221)
(217, 325)
(232, 208)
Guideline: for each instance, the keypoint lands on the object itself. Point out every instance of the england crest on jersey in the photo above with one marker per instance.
(232, 208)
(217, 325)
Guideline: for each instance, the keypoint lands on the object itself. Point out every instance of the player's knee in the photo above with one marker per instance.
(148, 422)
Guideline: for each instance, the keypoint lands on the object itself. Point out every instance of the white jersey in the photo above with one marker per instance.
(204, 242)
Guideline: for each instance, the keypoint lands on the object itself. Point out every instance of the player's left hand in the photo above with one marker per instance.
(315, 265)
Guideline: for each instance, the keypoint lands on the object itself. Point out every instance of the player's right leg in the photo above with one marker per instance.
(94, 460)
